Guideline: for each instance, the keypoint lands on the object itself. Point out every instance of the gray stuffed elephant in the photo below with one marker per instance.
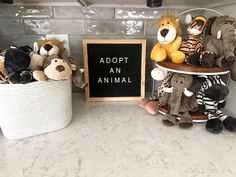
(179, 99)
(222, 42)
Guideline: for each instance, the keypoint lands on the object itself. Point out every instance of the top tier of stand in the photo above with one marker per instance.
(194, 70)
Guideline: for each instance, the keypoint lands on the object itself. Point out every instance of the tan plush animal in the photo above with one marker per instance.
(49, 47)
(44, 48)
(169, 40)
(55, 48)
(54, 68)
(58, 68)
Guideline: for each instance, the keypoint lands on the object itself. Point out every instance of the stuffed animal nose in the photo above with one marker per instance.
(47, 47)
(60, 68)
(164, 32)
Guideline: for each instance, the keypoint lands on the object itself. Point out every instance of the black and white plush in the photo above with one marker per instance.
(211, 98)
(17, 61)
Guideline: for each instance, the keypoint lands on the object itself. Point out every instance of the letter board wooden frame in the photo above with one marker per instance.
(114, 69)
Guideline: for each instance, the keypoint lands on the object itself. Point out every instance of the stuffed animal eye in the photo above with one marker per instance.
(168, 22)
(162, 24)
(55, 60)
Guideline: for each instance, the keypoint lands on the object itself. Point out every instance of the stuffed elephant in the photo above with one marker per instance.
(222, 42)
(179, 99)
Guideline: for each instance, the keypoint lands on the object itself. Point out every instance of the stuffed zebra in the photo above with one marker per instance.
(211, 98)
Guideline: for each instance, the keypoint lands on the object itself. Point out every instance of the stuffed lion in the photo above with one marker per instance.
(49, 47)
(45, 48)
(169, 40)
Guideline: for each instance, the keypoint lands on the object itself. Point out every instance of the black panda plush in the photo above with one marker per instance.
(17, 61)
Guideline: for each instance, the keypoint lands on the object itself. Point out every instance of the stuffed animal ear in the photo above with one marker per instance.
(177, 20)
(210, 21)
(229, 20)
(188, 18)
(73, 67)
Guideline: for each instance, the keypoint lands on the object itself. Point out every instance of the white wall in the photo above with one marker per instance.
(231, 100)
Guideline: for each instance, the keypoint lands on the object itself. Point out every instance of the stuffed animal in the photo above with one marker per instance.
(17, 61)
(169, 40)
(158, 74)
(151, 104)
(193, 44)
(44, 48)
(54, 68)
(179, 99)
(211, 98)
(3, 72)
(54, 47)
(58, 68)
(221, 32)
(49, 47)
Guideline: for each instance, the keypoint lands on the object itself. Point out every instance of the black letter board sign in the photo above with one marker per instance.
(114, 69)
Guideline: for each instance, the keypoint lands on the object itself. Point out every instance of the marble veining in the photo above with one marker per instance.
(119, 139)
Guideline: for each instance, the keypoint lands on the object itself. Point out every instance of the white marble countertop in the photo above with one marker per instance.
(119, 140)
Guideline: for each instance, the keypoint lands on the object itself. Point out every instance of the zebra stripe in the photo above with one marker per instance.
(211, 107)
(222, 116)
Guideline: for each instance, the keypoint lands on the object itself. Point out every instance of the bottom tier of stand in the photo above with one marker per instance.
(196, 116)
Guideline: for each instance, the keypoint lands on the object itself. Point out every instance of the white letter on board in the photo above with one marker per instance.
(106, 80)
(102, 60)
(99, 80)
(108, 60)
(117, 80)
(111, 70)
(118, 70)
(121, 59)
(123, 80)
(126, 59)
(114, 60)
(129, 81)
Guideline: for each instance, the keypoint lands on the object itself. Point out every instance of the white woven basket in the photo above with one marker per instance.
(35, 108)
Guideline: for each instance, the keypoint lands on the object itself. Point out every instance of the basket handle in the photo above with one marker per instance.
(200, 8)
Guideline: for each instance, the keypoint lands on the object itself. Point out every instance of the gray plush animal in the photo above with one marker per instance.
(222, 42)
(179, 99)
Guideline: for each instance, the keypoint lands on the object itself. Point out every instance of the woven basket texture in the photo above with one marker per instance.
(35, 108)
